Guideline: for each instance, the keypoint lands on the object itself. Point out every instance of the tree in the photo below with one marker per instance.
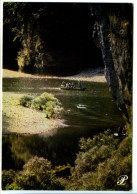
(37, 174)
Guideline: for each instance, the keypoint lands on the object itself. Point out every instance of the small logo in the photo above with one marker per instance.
(122, 180)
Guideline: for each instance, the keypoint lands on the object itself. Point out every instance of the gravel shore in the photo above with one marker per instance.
(89, 75)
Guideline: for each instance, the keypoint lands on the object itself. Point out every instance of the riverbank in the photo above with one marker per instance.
(22, 120)
(88, 75)
(18, 119)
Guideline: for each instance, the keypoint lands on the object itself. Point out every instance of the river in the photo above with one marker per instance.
(97, 113)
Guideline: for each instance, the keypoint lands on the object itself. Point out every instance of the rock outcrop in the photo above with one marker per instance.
(113, 34)
(61, 41)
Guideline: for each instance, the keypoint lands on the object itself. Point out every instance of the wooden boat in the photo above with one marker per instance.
(75, 89)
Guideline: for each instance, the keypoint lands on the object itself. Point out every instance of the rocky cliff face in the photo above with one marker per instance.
(59, 40)
(113, 35)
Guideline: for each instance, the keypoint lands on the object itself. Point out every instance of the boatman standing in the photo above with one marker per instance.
(80, 84)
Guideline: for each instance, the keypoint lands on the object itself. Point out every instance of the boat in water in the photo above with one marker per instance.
(70, 86)
(75, 89)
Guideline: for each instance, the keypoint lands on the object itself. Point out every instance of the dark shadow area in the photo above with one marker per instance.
(9, 159)
(56, 39)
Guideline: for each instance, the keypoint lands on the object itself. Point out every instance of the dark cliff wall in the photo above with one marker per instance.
(56, 38)
(113, 34)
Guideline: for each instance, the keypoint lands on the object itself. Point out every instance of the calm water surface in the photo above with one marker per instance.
(99, 113)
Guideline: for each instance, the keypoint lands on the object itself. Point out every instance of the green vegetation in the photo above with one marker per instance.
(37, 174)
(46, 103)
(100, 162)
(98, 165)
(26, 101)
(14, 16)
(20, 117)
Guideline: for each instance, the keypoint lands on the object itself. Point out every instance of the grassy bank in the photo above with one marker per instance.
(20, 119)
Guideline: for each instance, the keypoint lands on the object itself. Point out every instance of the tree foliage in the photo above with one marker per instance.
(18, 14)
(46, 103)
(37, 174)
(14, 16)
(100, 162)
(98, 165)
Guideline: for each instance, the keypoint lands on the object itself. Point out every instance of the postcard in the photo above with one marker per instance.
(67, 97)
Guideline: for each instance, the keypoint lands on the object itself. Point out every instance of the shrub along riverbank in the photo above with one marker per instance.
(29, 114)
(46, 103)
(101, 161)
(98, 165)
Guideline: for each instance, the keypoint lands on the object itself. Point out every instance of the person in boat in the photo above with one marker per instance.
(67, 85)
(63, 84)
(72, 85)
(80, 84)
